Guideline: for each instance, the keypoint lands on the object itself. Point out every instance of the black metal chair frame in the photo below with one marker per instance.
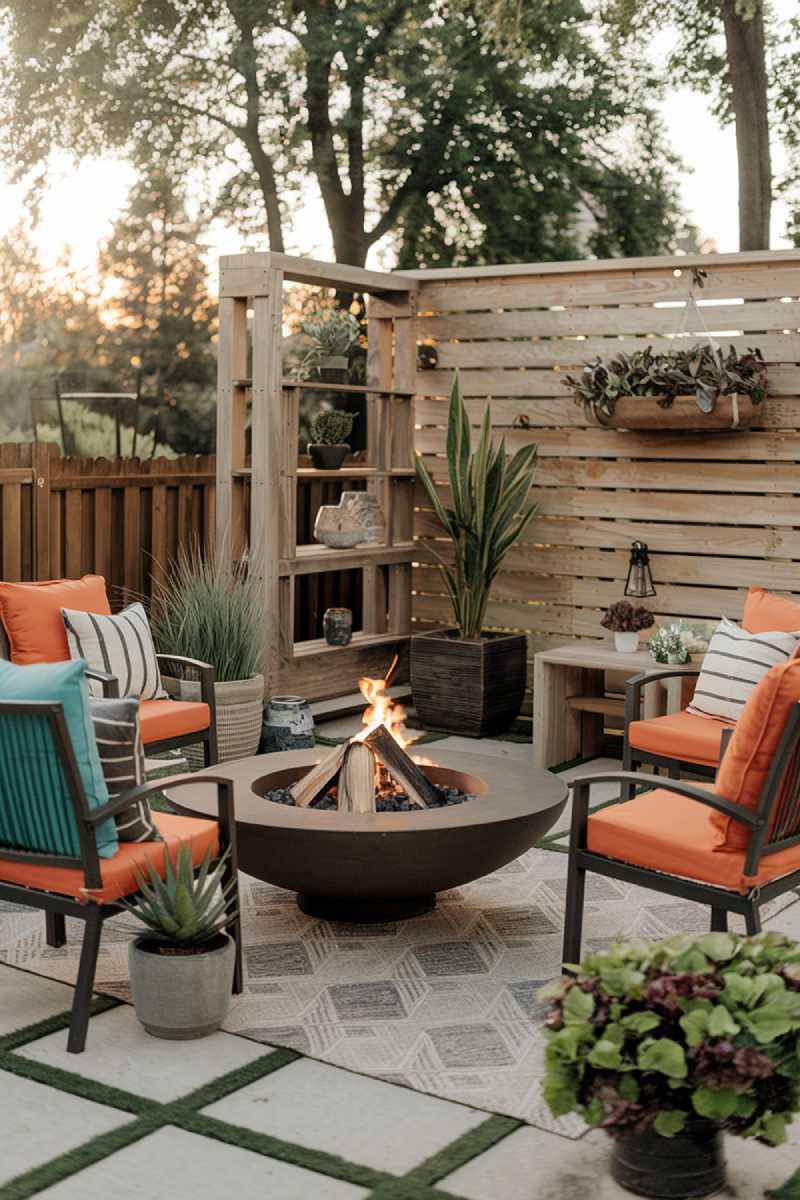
(774, 825)
(632, 756)
(57, 906)
(207, 677)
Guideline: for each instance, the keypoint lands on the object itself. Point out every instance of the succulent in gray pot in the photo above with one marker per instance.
(332, 337)
(469, 680)
(182, 967)
(330, 430)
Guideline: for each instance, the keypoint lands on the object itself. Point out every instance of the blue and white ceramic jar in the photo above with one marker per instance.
(288, 725)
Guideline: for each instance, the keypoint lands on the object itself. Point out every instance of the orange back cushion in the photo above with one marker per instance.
(31, 615)
(765, 612)
(743, 772)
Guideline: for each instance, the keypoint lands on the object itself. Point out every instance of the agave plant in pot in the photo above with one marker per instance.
(669, 1045)
(467, 680)
(199, 611)
(182, 967)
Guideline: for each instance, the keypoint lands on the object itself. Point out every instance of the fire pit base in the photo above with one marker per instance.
(361, 911)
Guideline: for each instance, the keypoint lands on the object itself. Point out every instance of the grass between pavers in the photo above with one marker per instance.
(150, 1115)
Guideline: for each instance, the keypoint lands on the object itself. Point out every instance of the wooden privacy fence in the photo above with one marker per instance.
(718, 511)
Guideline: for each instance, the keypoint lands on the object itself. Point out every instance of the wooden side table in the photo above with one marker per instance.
(568, 682)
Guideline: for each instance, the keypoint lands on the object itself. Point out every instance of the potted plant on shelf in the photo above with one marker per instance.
(198, 610)
(467, 680)
(625, 622)
(667, 1045)
(694, 389)
(182, 968)
(330, 430)
(332, 337)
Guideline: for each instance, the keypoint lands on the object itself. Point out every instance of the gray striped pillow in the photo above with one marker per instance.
(119, 745)
(121, 645)
(734, 663)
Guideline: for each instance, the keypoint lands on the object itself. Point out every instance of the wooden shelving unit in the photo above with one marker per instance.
(257, 500)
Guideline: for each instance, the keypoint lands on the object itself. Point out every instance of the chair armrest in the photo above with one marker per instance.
(142, 791)
(582, 786)
(724, 741)
(635, 685)
(110, 683)
(206, 671)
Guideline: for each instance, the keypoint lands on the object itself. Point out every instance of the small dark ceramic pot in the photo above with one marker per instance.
(690, 1164)
(328, 458)
(337, 624)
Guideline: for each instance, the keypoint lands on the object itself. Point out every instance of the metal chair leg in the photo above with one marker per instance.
(752, 920)
(719, 920)
(55, 927)
(82, 1003)
(573, 915)
(210, 748)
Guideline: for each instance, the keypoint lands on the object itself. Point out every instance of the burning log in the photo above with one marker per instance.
(318, 778)
(356, 792)
(401, 767)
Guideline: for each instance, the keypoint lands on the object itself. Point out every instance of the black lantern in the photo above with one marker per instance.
(639, 582)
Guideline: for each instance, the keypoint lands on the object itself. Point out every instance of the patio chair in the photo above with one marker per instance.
(166, 724)
(87, 886)
(732, 845)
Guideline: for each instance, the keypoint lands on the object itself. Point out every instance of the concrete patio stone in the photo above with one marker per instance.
(119, 1052)
(39, 1123)
(26, 999)
(364, 1120)
(172, 1164)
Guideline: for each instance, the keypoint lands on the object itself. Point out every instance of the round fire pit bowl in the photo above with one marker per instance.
(381, 866)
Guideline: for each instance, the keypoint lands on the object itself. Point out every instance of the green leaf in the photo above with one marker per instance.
(621, 981)
(740, 989)
(594, 1112)
(641, 1022)
(790, 1190)
(695, 1025)
(560, 1088)
(773, 1128)
(669, 1122)
(605, 1055)
(721, 1023)
(719, 946)
(664, 1055)
(578, 1005)
(768, 1023)
(715, 1103)
(628, 1088)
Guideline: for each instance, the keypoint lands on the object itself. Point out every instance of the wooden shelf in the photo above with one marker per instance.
(315, 385)
(308, 560)
(606, 706)
(359, 641)
(354, 472)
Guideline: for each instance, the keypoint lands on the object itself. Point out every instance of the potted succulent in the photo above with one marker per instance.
(332, 337)
(693, 389)
(668, 1045)
(625, 622)
(204, 613)
(668, 645)
(466, 680)
(329, 433)
(182, 967)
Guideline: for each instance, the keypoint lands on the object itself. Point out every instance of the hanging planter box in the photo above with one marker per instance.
(645, 412)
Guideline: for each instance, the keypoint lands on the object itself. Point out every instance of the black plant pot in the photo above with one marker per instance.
(690, 1164)
(328, 458)
(471, 688)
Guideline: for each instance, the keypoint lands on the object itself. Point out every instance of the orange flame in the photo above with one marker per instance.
(382, 710)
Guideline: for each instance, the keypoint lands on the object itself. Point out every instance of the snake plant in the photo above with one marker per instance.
(181, 909)
(488, 493)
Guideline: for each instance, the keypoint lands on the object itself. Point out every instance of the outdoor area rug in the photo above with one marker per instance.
(444, 1004)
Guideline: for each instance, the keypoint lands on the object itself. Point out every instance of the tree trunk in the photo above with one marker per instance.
(744, 38)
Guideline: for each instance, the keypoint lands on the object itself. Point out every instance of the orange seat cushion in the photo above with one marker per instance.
(670, 833)
(162, 719)
(680, 735)
(752, 748)
(119, 872)
(31, 614)
(764, 612)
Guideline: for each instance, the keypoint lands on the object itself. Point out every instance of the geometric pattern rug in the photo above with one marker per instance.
(445, 1003)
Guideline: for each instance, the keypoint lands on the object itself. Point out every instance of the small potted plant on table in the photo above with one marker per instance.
(667, 1045)
(330, 430)
(625, 622)
(467, 680)
(182, 968)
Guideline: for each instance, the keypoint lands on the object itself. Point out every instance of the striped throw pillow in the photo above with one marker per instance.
(734, 663)
(121, 646)
(119, 745)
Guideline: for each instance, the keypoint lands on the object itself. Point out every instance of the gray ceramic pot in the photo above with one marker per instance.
(288, 725)
(181, 996)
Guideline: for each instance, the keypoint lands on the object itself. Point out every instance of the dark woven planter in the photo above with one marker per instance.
(690, 1164)
(471, 688)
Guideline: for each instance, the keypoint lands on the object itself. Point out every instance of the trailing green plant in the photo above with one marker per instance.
(488, 514)
(199, 611)
(701, 371)
(183, 909)
(622, 617)
(333, 334)
(669, 644)
(332, 428)
(649, 1034)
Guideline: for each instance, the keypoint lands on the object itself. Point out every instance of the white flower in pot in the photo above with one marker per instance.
(625, 622)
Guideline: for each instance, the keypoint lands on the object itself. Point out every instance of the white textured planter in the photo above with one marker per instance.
(240, 705)
(181, 996)
(626, 643)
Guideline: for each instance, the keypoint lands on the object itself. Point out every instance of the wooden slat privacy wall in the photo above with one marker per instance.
(718, 511)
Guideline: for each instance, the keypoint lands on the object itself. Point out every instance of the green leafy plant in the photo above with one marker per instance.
(333, 334)
(667, 643)
(198, 611)
(649, 1034)
(332, 428)
(488, 514)
(181, 909)
(622, 617)
(701, 371)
